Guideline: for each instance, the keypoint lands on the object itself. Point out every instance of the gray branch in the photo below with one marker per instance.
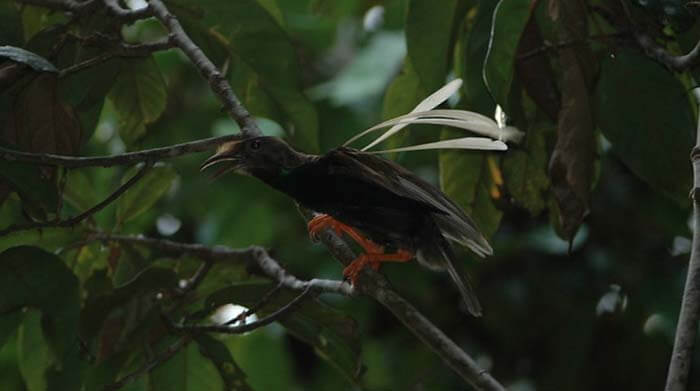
(216, 80)
(687, 328)
(124, 159)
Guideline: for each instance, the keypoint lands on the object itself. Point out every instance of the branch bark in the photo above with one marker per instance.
(686, 331)
(124, 159)
(658, 53)
(207, 69)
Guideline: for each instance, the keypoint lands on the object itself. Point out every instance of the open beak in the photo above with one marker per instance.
(226, 154)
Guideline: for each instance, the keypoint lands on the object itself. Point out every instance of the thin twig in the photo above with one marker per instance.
(679, 367)
(217, 81)
(169, 353)
(124, 159)
(124, 50)
(84, 215)
(657, 52)
(246, 327)
(198, 276)
(255, 308)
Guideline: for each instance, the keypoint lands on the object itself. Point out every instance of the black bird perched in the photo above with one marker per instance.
(389, 211)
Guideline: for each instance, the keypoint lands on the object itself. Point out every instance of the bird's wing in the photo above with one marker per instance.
(450, 218)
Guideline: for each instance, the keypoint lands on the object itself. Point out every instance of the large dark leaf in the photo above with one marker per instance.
(333, 334)
(32, 277)
(535, 72)
(649, 121)
(571, 166)
(509, 21)
(255, 37)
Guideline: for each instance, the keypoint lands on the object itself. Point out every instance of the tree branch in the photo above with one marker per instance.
(377, 286)
(253, 255)
(657, 52)
(208, 70)
(687, 328)
(124, 159)
(82, 216)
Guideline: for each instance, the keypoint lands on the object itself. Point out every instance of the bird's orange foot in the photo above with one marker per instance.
(323, 221)
(374, 260)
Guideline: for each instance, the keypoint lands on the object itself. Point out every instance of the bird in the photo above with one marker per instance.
(390, 212)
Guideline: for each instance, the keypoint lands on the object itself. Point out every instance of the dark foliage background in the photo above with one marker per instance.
(604, 166)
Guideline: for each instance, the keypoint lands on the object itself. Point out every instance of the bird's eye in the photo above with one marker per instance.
(255, 144)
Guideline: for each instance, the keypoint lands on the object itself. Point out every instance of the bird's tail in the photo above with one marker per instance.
(460, 279)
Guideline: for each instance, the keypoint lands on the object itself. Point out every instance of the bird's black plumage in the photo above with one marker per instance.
(389, 204)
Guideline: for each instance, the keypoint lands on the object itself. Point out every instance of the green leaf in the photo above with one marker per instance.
(219, 354)
(403, 94)
(32, 277)
(142, 195)
(255, 38)
(467, 177)
(188, 370)
(34, 357)
(28, 58)
(40, 367)
(509, 21)
(649, 122)
(8, 325)
(428, 39)
(333, 334)
(525, 171)
(139, 97)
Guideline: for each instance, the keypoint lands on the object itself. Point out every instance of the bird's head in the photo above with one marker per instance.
(261, 157)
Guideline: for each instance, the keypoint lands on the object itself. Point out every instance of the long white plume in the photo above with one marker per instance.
(423, 113)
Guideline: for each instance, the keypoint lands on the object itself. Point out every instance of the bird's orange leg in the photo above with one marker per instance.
(321, 222)
(374, 260)
(374, 254)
